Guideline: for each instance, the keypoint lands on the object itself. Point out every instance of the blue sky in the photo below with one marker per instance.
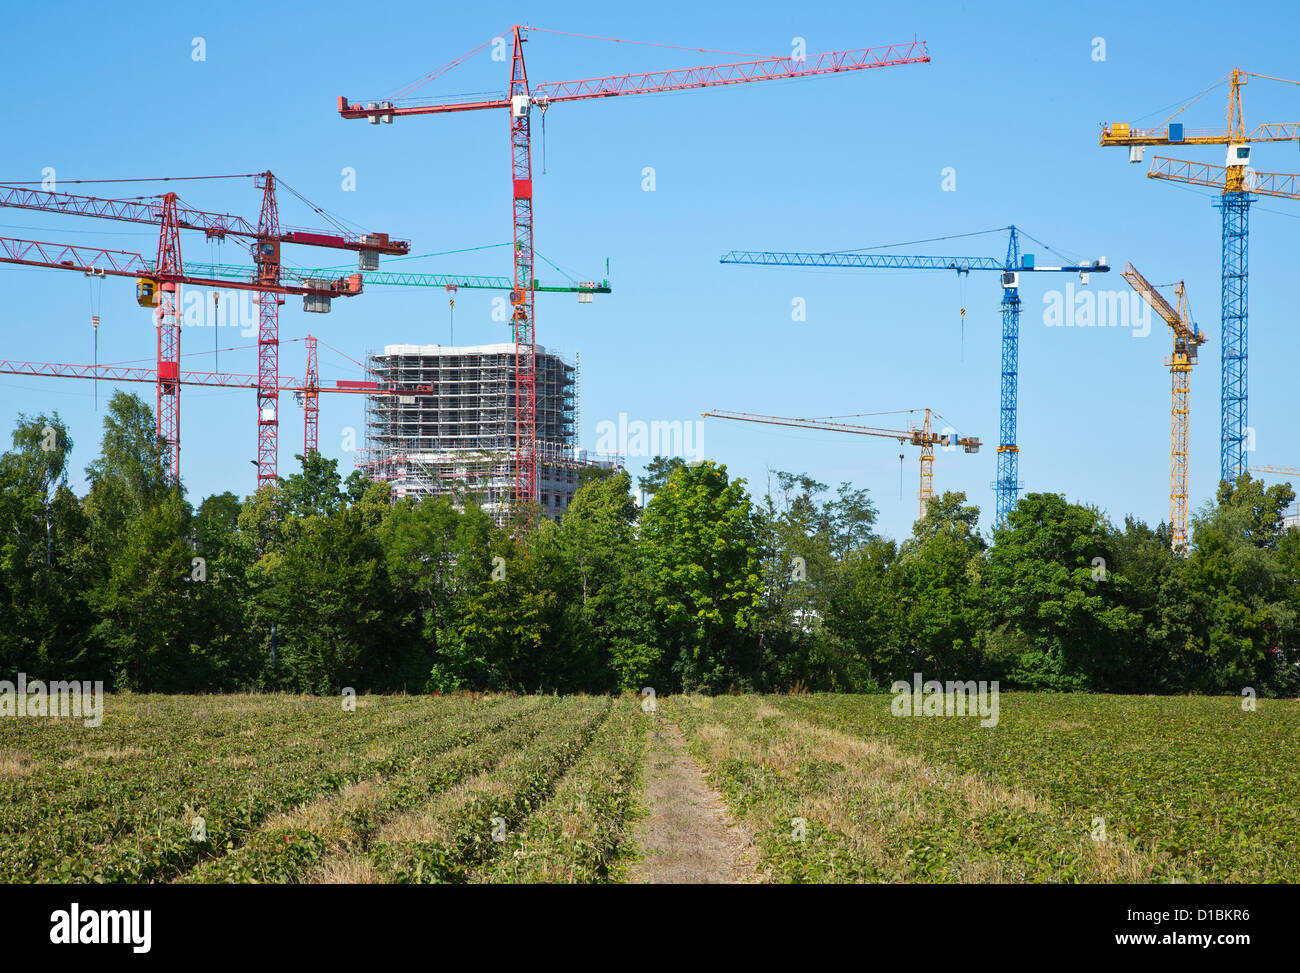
(1011, 102)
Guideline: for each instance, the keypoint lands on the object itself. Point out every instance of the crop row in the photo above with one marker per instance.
(69, 770)
(463, 829)
(831, 806)
(149, 832)
(139, 723)
(1206, 788)
(288, 847)
(581, 833)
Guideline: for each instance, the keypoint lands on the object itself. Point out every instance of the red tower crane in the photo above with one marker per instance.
(157, 283)
(520, 99)
(309, 387)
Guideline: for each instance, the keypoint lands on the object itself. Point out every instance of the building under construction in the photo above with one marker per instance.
(447, 425)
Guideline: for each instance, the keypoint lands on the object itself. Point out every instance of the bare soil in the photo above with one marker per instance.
(689, 836)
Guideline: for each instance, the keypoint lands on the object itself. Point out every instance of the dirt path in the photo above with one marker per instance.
(687, 838)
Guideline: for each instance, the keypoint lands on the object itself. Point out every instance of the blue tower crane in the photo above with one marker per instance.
(1238, 185)
(1007, 485)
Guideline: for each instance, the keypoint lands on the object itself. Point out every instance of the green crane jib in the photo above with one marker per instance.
(385, 278)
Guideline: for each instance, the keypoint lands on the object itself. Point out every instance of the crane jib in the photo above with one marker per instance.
(962, 265)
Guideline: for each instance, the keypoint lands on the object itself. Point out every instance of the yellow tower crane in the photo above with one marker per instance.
(1238, 186)
(1187, 339)
(924, 437)
(1171, 133)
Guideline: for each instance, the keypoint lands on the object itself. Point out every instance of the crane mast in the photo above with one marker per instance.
(520, 100)
(168, 321)
(1187, 340)
(268, 333)
(522, 296)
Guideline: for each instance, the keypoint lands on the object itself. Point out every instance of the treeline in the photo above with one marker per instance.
(324, 583)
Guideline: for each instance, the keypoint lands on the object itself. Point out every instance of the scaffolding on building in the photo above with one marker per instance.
(446, 426)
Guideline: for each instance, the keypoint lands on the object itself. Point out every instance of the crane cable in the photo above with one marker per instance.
(543, 110)
(961, 289)
(96, 285)
(408, 89)
(451, 313)
(79, 182)
(216, 308)
(620, 40)
(933, 239)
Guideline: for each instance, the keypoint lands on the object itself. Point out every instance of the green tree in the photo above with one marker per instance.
(328, 598)
(1240, 597)
(1051, 578)
(140, 540)
(145, 605)
(507, 628)
(220, 595)
(941, 577)
(850, 519)
(865, 614)
(605, 615)
(798, 564)
(437, 559)
(1157, 657)
(45, 560)
(130, 474)
(657, 473)
(315, 489)
(701, 556)
(319, 587)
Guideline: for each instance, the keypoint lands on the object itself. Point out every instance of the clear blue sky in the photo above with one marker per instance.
(1011, 101)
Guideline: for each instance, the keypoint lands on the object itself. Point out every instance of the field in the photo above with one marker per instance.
(569, 789)
(1189, 789)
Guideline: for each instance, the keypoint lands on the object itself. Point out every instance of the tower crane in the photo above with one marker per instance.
(450, 282)
(1237, 184)
(157, 282)
(586, 290)
(1007, 485)
(308, 389)
(1187, 339)
(519, 100)
(924, 437)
